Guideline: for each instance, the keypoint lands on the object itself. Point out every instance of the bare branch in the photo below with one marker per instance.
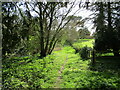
(59, 29)
(34, 9)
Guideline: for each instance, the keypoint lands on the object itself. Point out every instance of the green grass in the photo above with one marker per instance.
(105, 54)
(77, 74)
(82, 43)
(108, 64)
(29, 73)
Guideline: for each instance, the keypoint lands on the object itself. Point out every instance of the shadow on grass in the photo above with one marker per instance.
(107, 64)
(104, 74)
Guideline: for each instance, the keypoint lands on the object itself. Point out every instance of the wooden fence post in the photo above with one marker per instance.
(93, 57)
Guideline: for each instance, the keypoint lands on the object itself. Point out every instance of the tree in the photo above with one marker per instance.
(70, 31)
(106, 33)
(84, 33)
(116, 26)
(46, 26)
(47, 14)
(10, 27)
(100, 43)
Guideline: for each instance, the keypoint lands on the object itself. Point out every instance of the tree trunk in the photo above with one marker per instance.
(93, 57)
(42, 53)
(116, 52)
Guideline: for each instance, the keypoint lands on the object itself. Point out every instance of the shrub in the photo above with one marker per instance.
(85, 52)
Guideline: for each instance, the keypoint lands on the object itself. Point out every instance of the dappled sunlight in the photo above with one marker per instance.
(50, 45)
(63, 69)
(83, 43)
(108, 64)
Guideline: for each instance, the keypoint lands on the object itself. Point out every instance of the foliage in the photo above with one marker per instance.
(89, 80)
(107, 33)
(84, 33)
(77, 74)
(26, 72)
(29, 72)
(33, 48)
(21, 29)
(50, 25)
(17, 28)
(10, 28)
(70, 31)
(85, 52)
(37, 36)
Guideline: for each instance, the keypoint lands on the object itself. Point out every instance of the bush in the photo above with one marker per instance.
(85, 52)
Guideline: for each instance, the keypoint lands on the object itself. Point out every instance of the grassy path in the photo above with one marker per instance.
(59, 81)
(53, 75)
(62, 69)
(67, 60)
(75, 73)
(69, 64)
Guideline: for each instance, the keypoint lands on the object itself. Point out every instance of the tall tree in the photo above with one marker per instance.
(106, 31)
(10, 27)
(47, 14)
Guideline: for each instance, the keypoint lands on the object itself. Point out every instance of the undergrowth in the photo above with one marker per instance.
(30, 72)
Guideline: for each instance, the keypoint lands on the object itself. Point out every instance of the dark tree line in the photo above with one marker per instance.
(10, 27)
(106, 21)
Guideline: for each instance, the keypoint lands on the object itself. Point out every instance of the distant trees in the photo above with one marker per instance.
(84, 33)
(70, 31)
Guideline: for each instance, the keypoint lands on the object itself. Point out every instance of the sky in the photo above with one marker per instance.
(84, 13)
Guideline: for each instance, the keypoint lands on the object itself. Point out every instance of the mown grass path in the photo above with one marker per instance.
(76, 73)
(63, 58)
(62, 69)
(59, 81)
